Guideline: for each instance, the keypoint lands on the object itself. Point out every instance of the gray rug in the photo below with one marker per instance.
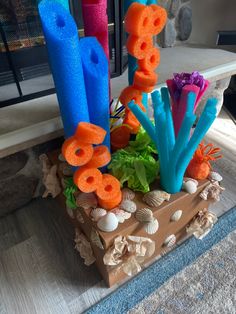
(208, 285)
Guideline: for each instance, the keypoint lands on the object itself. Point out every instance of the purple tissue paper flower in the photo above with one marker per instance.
(182, 79)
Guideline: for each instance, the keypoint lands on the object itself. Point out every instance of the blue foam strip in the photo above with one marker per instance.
(62, 41)
(65, 4)
(95, 67)
(149, 280)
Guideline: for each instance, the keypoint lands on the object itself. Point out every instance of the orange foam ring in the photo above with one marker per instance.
(159, 17)
(109, 188)
(120, 137)
(110, 204)
(90, 133)
(130, 93)
(138, 19)
(87, 179)
(151, 60)
(131, 120)
(75, 152)
(145, 80)
(139, 46)
(101, 157)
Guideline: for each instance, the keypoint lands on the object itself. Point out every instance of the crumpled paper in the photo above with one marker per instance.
(212, 191)
(202, 224)
(129, 252)
(50, 179)
(82, 245)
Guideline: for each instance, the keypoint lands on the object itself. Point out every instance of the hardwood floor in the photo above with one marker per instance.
(40, 272)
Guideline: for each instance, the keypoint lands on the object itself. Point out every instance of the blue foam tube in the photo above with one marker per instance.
(62, 41)
(65, 4)
(169, 119)
(95, 68)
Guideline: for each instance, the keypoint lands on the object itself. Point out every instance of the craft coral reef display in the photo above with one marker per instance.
(133, 185)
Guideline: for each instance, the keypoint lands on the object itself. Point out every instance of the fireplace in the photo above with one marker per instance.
(24, 68)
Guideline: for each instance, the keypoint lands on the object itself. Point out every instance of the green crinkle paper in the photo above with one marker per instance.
(136, 164)
(69, 191)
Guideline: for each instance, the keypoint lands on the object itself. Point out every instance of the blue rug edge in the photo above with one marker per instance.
(134, 291)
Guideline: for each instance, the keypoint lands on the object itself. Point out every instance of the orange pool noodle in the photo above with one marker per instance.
(131, 120)
(75, 152)
(151, 60)
(120, 137)
(90, 133)
(145, 80)
(109, 188)
(138, 19)
(130, 93)
(139, 46)
(101, 157)
(159, 17)
(87, 179)
(110, 204)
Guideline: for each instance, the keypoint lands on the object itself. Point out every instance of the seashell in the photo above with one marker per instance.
(128, 206)
(95, 239)
(177, 215)
(86, 200)
(61, 158)
(186, 179)
(79, 217)
(108, 223)
(152, 226)
(215, 176)
(121, 215)
(156, 198)
(170, 241)
(190, 187)
(70, 212)
(144, 215)
(128, 194)
(97, 213)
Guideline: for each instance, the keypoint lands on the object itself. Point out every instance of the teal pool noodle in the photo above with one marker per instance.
(65, 3)
(62, 42)
(95, 68)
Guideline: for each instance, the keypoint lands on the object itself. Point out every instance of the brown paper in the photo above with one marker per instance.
(212, 191)
(84, 248)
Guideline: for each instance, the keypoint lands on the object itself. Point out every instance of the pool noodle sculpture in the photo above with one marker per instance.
(95, 68)
(62, 41)
(175, 153)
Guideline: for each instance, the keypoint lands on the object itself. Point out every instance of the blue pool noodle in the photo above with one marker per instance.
(95, 67)
(62, 41)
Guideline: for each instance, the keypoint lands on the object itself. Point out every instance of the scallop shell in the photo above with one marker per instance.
(128, 206)
(144, 215)
(170, 241)
(79, 217)
(190, 187)
(152, 226)
(215, 176)
(156, 198)
(128, 194)
(97, 213)
(95, 239)
(70, 212)
(177, 215)
(108, 223)
(121, 215)
(86, 200)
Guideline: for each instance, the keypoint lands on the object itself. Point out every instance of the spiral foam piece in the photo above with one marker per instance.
(95, 67)
(62, 41)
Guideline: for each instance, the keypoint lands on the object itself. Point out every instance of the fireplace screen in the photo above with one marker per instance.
(24, 68)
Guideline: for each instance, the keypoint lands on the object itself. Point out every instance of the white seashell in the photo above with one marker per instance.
(151, 227)
(97, 213)
(215, 176)
(108, 223)
(79, 217)
(190, 187)
(177, 215)
(86, 200)
(144, 215)
(186, 179)
(170, 241)
(128, 194)
(70, 212)
(121, 215)
(128, 206)
(156, 198)
(95, 239)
